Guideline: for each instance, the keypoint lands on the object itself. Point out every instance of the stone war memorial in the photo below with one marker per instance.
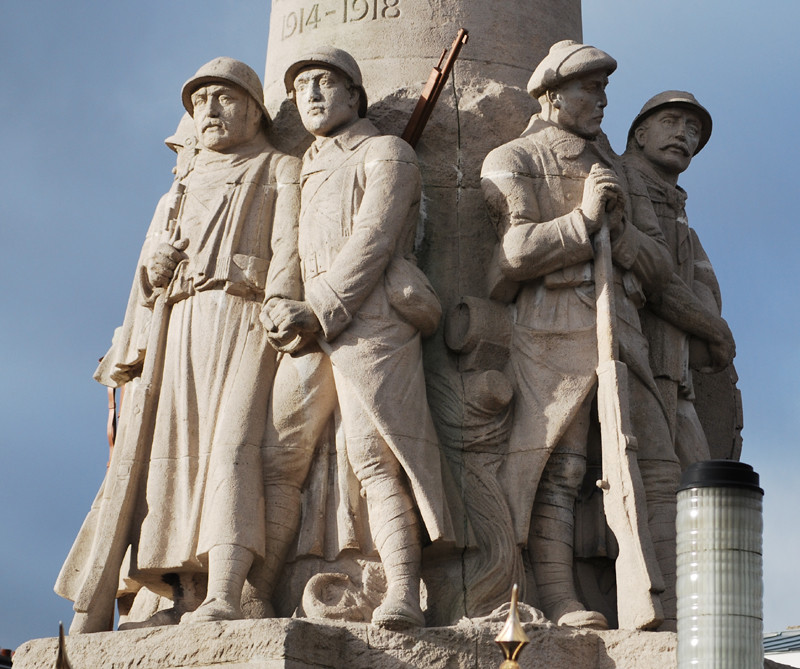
(386, 357)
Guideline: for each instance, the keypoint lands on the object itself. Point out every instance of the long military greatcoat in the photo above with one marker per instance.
(202, 475)
(358, 220)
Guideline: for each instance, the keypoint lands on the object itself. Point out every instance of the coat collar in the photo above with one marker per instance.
(567, 144)
(211, 160)
(347, 139)
(672, 194)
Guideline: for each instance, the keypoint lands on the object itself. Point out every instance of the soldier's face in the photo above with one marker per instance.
(580, 103)
(225, 116)
(325, 101)
(669, 138)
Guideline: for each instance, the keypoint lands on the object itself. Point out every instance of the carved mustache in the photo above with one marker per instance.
(675, 145)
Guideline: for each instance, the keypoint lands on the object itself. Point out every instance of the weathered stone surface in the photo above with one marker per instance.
(396, 43)
(689, 340)
(364, 306)
(301, 644)
(719, 407)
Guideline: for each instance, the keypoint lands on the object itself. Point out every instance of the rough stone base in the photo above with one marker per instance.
(302, 644)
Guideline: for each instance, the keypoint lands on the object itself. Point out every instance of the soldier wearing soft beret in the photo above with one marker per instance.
(566, 60)
(547, 193)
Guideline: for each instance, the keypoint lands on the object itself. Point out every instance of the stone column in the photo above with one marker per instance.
(396, 43)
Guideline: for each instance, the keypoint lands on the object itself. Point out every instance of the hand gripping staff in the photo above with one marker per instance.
(430, 94)
(639, 579)
(95, 601)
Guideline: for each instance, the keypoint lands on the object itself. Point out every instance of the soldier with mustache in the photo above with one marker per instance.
(668, 132)
(194, 515)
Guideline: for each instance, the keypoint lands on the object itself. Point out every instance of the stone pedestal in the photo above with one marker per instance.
(302, 644)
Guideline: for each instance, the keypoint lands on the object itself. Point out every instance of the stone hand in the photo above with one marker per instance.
(161, 265)
(602, 193)
(266, 321)
(615, 210)
(280, 337)
(723, 348)
(290, 317)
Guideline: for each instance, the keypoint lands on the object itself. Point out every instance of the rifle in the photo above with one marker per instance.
(430, 94)
(94, 604)
(111, 424)
(639, 578)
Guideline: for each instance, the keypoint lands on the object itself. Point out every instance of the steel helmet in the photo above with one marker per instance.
(184, 135)
(675, 99)
(229, 70)
(329, 56)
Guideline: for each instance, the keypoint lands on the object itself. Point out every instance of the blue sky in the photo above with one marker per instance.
(90, 89)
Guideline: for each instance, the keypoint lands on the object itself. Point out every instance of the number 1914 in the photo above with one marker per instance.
(353, 11)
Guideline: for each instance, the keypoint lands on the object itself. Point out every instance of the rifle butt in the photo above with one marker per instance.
(639, 578)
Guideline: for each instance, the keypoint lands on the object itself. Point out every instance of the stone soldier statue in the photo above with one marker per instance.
(123, 361)
(121, 366)
(547, 193)
(671, 128)
(188, 499)
(356, 336)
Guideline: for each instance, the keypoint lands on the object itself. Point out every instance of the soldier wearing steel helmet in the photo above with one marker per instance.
(671, 128)
(123, 361)
(547, 193)
(362, 355)
(197, 511)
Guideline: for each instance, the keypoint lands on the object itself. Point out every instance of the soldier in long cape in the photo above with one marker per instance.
(183, 491)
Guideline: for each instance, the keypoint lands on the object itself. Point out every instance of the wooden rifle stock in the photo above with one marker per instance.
(639, 579)
(433, 88)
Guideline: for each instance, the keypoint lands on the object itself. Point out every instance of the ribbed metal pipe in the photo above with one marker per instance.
(719, 576)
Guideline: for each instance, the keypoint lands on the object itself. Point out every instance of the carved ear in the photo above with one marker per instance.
(638, 134)
(554, 99)
(254, 114)
(355, 97)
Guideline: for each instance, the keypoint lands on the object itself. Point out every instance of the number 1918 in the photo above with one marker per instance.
(358, 10)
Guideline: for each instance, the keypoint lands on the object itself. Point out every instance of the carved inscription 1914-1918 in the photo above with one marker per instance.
(308, 18)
